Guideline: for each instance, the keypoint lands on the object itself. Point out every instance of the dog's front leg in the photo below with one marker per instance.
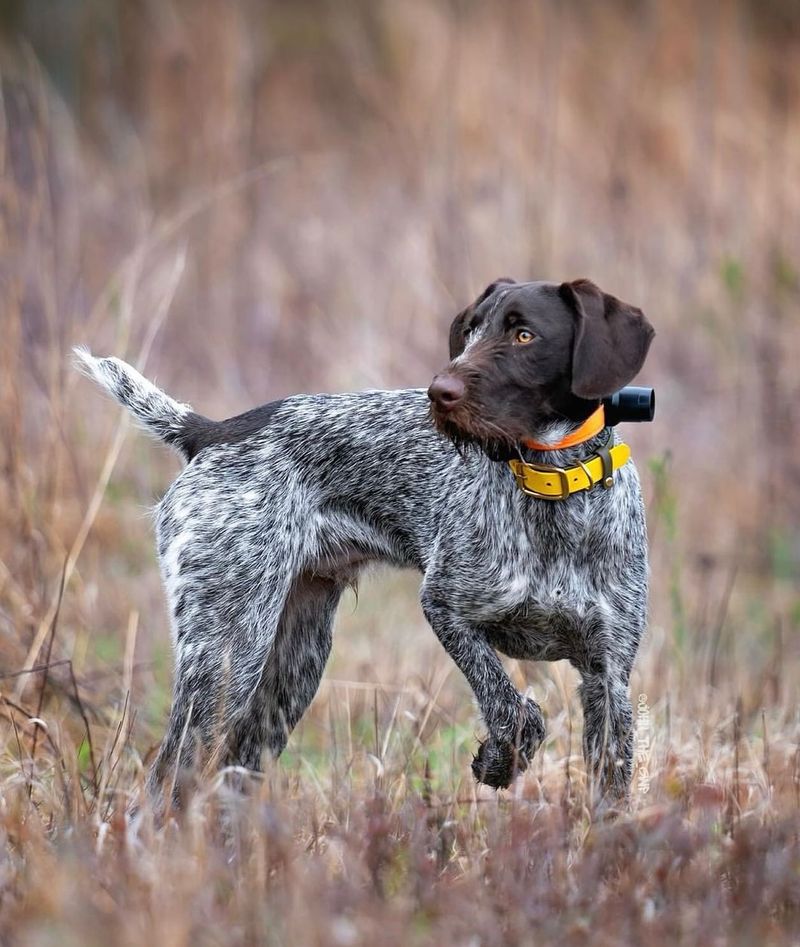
(607, 733)
(515, 724)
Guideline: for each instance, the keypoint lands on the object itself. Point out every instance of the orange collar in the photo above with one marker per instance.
(594, 424)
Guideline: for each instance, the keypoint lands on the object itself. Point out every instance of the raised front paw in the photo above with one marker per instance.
(496, 764)
(501, 758)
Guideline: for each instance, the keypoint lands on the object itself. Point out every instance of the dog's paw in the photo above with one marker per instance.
(501, 759)
(496, 764)
(523, 730)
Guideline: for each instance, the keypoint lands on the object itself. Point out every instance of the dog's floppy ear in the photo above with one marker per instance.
(611, 339)
(459, 325)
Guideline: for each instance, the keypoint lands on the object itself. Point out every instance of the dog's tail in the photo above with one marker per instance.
(167, 419)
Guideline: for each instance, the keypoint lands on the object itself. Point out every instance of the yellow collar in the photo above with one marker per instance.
(546, 482)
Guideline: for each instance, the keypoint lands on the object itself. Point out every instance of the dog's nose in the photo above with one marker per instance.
(446, 391)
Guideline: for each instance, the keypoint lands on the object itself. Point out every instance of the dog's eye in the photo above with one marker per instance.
(523, 337)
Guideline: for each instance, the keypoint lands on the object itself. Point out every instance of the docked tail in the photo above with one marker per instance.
(160, 414)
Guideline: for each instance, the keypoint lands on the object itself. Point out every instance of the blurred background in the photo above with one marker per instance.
(250, 199)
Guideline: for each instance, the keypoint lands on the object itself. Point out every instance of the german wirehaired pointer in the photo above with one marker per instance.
(500, 484)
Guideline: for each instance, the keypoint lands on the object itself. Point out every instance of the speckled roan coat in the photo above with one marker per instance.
(277, 510)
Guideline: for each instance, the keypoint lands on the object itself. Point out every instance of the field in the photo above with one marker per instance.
(252, 199)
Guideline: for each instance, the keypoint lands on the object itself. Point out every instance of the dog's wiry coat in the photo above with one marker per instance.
(276, 512)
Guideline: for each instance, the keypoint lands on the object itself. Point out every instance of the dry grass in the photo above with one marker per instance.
(255, 199)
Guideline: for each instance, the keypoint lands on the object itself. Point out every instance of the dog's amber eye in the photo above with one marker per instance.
(523, 337)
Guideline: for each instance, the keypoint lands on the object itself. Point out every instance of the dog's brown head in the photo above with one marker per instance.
(525, 355)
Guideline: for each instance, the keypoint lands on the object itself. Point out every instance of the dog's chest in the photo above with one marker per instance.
(528, 581)
(520, 562)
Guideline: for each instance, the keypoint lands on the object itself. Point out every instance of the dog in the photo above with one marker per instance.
(501, 485)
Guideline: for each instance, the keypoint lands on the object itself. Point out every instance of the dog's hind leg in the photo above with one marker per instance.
(291, 672)
(195, 720)
(226, 614)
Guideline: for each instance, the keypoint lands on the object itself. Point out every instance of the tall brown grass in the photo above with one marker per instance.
(253, 199)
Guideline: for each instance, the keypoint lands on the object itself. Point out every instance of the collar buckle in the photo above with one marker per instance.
(560, 472)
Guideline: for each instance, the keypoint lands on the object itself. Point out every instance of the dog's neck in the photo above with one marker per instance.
(552, 444)
(566, 456)
(561, 434)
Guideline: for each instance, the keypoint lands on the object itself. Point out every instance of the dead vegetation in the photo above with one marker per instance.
(254, 199)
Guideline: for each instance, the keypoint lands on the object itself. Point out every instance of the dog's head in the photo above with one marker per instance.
(527, 355)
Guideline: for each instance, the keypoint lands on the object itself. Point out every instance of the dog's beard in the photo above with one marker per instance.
(468, 433)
